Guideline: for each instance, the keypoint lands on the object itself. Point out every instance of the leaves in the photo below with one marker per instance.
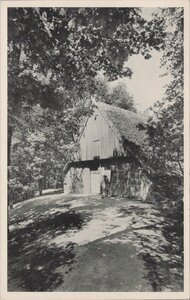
(166, 131)
(74, 44)
(116, 94)
(54, 54)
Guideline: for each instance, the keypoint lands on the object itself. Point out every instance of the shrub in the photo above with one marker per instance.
(17, 192)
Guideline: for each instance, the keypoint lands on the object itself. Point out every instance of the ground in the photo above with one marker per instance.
(86, 243)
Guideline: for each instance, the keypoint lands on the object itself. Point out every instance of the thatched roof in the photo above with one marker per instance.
(128, 125)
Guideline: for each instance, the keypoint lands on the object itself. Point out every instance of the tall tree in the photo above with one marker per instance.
(119, 96)
(54, 48)
(55, 53)
(114, 93)
(166, 136)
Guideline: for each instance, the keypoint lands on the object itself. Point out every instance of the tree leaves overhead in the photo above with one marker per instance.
(73, 44)
(54, 55)
(167, 121)
(55, 51)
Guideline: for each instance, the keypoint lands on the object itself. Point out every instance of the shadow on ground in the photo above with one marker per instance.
(85, 243)
(36, 270)
(31, 255)
(160, 244)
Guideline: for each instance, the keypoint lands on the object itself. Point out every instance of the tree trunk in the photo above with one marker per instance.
(56, 181)
(61, 180)
(10, 192)
(10, 133)
(46, 183)
(40, 187)
(10, 198)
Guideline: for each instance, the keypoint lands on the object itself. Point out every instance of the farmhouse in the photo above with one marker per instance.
(110, 155)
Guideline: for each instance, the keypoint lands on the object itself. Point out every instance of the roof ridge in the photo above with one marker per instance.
(124, 122)
(110, 123)
(126, 111)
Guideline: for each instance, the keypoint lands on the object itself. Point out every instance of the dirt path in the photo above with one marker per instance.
(106, 267)
(85, 243)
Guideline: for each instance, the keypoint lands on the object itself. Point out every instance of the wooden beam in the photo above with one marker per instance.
(101, 162)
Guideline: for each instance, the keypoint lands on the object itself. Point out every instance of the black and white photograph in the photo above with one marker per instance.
(95, 148)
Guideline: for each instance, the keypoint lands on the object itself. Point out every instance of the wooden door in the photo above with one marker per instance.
(95, 182)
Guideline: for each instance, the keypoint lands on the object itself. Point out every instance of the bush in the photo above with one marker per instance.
(17, 192)
(28, 192)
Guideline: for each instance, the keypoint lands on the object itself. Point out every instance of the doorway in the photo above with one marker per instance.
(95, 182)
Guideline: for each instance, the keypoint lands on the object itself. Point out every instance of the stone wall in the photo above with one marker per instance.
(125, 180)
(128, 179)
